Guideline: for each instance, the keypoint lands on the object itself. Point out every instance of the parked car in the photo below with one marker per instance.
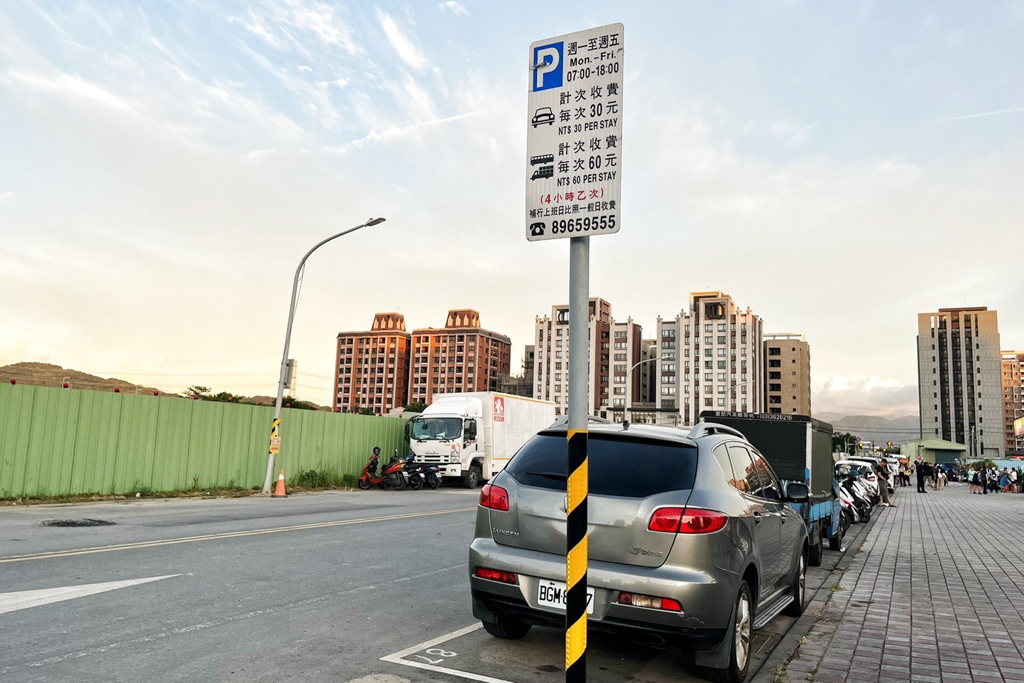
(691, 541)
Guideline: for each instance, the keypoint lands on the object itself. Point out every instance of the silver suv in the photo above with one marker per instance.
(690, 541)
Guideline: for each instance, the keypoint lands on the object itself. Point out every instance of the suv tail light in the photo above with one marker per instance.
(494, 497)
(687, 521)
(495, 575)
(637, 600)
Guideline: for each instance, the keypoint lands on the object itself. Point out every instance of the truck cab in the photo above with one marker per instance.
(447, 434)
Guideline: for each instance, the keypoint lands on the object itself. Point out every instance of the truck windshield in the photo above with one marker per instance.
(436, 428)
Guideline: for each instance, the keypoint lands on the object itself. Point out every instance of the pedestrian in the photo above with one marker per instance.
(1013, 480)
(1004, 480)
(942, 478)
(883, 484)
(972, 481)
(921, 474)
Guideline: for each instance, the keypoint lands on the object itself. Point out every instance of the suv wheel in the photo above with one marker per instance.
(739, 651)
(796, 608)
(471, 479)
(506, 628)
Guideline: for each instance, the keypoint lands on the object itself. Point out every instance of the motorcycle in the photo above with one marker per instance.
(854, 494)
(391, 477)
(419, 475)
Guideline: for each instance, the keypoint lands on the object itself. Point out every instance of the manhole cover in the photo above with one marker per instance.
(77, 522)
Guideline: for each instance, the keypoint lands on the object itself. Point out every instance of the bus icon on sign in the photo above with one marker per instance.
(547, 67)
(542, 159)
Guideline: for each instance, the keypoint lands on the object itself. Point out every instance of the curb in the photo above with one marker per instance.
(790, 642)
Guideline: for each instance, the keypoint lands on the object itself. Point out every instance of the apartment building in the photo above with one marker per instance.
(626, 378)
(787, 381)
(551, 367)
(372, 367)
(460, 357)
(960, 379)
(1013, 399)
(712, 359)
(648, 371)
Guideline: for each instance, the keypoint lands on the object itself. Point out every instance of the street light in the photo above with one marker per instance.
(275, 439)
(664, 356)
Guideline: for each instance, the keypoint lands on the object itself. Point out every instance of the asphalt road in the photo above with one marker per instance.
(343, 586)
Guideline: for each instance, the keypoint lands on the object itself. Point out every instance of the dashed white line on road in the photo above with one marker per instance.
(12, 602)
(398, 657)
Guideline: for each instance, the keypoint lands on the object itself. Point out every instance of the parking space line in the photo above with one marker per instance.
(397, 658)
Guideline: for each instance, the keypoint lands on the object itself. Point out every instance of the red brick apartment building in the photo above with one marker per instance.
(372, 367)
(459, 357)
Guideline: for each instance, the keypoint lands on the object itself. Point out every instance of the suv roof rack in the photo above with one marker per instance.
(563, 421)
(707, 428)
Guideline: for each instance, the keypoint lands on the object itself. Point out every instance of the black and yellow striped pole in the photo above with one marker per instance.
(578, 484)
(576, 559)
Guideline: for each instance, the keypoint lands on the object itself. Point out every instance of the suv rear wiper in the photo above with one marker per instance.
(550, 475)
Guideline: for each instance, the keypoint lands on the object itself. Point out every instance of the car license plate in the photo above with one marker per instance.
(552, 594)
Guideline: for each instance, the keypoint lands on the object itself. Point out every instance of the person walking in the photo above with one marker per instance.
(972, 481)
(1013, 480)
(921, 474)
(941, 479)
(883, 484)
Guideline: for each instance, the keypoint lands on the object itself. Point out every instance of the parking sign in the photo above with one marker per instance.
(574, 135)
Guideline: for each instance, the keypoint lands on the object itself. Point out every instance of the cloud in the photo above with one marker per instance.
(72, 87)
(305, 68)
(410, 132)
(291, 22)
(453, 7)
(996, 112)
(6, 199)
(407, 50)
(871, 396)
(254, 154)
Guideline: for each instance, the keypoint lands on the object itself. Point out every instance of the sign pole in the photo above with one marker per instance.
(576, 507)
(573, 181)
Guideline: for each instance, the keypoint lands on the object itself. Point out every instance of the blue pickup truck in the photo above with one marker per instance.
(798, 448)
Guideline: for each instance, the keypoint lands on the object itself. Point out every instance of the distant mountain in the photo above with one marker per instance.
(875, 428)
(49, 375)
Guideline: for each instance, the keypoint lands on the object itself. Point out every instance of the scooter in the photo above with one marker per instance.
(419, 475)
(853, 493)
(391, 477)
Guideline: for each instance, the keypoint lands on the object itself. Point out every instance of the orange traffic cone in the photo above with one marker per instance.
(279, 491)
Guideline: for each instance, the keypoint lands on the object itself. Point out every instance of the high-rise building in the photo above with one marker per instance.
(372, 367)
(551, 368)
(648, 370)
(787, 385)
(712, 359)
(459, 357)
(1013, 399)
(959, 378)
(627, 349)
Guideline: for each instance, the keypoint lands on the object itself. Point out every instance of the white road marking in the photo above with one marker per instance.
(121, 645)
(397, 658)
(12, 602)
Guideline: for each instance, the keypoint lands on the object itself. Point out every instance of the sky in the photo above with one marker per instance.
(836, 167)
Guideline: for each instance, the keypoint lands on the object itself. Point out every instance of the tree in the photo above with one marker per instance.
(416, 407)
(196, 390)
(845, 442)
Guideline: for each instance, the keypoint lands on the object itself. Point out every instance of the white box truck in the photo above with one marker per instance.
(473, 435)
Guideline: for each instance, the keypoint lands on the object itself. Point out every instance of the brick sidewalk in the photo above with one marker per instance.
(961, 557)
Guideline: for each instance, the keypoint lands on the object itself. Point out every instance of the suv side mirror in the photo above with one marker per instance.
(797, 492)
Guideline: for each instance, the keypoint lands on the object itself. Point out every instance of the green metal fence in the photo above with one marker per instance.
(56, 442)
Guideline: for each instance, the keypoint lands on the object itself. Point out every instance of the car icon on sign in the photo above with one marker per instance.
(543, 115)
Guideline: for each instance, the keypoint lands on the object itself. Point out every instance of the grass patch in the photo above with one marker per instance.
(325, 478)
(143, 492)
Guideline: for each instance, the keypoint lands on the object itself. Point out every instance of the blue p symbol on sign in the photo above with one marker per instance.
(547, 67)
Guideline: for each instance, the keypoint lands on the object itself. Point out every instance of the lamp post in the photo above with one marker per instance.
(275, 439)
(625, 408)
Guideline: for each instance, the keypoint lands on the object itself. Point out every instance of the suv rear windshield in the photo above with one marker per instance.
(627, 467)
